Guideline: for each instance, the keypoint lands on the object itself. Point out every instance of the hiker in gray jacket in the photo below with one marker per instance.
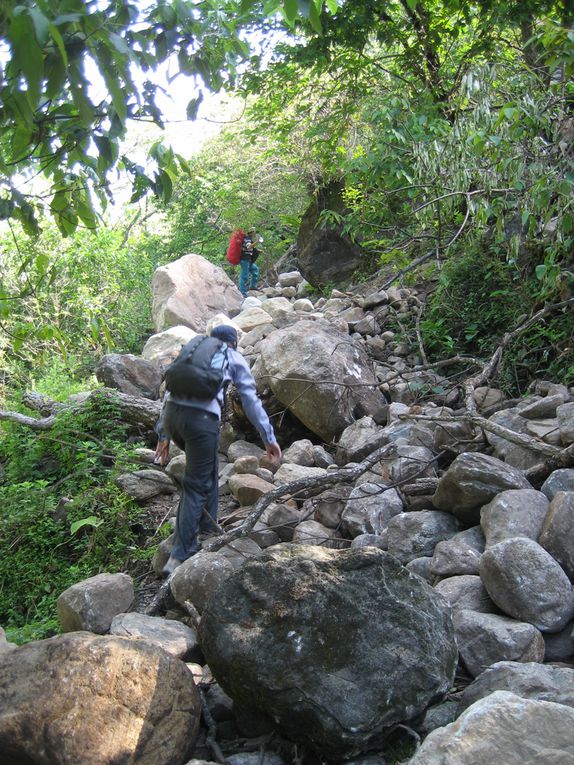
(193, 424)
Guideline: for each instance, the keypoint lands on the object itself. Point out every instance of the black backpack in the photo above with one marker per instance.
(199, 369)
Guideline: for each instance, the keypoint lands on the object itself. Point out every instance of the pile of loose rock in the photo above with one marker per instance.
(407, 570)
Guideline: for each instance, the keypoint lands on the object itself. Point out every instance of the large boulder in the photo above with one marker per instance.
(415, 534)
(190, 291)
(163, 347)
(325, 254)
(465, 592)
(471, 481)
(321, 376)
(172, 636)
(527, 583)
(129, 374)
(337, 647)
(83, 699)
(503, 728)
(459, 555)
(369, 509)
(514, 513)
(93, 603)
(530, 680)
(142, 485)
(484, 639)
(557, 535)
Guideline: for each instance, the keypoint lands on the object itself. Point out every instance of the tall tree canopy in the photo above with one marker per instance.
(74, 72)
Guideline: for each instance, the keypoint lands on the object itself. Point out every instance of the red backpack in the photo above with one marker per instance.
(235, 244)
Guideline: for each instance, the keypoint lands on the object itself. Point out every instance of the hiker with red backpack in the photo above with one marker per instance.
(249, 268)
(243, 251)
(196, 383)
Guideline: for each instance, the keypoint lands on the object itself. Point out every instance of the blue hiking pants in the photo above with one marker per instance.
(197, 432)
(249, 276)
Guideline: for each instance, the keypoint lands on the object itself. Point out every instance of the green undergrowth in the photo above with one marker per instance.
(481, 296)
(63, 517)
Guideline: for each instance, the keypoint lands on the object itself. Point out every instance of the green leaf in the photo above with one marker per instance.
(87, 214)
(315, 19)
(333, 6)
(193, 106)
(119, 44)
(163, 186)
(540, 271)
(21, 142)
(290, 9)
(41, 24)
(412, 4)
(42, 262)
(104, 146)
(59, 201)
(58, 39)
(91, 520)
(56, 76)
(27, 55)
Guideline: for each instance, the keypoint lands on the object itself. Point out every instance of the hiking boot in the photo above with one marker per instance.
(171, 565)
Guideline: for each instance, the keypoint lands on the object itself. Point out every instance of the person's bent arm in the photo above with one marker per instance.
(252, 406)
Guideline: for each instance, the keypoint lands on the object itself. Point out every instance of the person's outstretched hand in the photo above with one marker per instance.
(273, 451)
(162, 452)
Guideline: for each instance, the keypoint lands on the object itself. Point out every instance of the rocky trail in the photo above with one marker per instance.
(399, 589)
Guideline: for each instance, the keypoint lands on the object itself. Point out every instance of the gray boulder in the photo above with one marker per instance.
(471, 481)
(372, 540)
(514, 513)
(530, 680)
(172, 636)
(513, 454)
(359, 440)
(279, 636)
(460, 554)
(282, 519)
(129, 374)
(557, 535)
(142, 485)
(560, 645)
(5, 644)
(559, 480)
(465, 592)
(190, 291)
(197, 578)
(527, 583)
(407, 462)
(162, 348)
(484, 639)
(92, 604)
(565, 416)
(325, 254)
(416, 534)
(369, 508)
(301, 453)
(503, 728)
(328, 506)
(244, 449)
(314, 533)
(325, 380)
(418, 566)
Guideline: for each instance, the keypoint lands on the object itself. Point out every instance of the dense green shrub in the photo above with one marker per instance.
(481, 296)
(63, 518)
